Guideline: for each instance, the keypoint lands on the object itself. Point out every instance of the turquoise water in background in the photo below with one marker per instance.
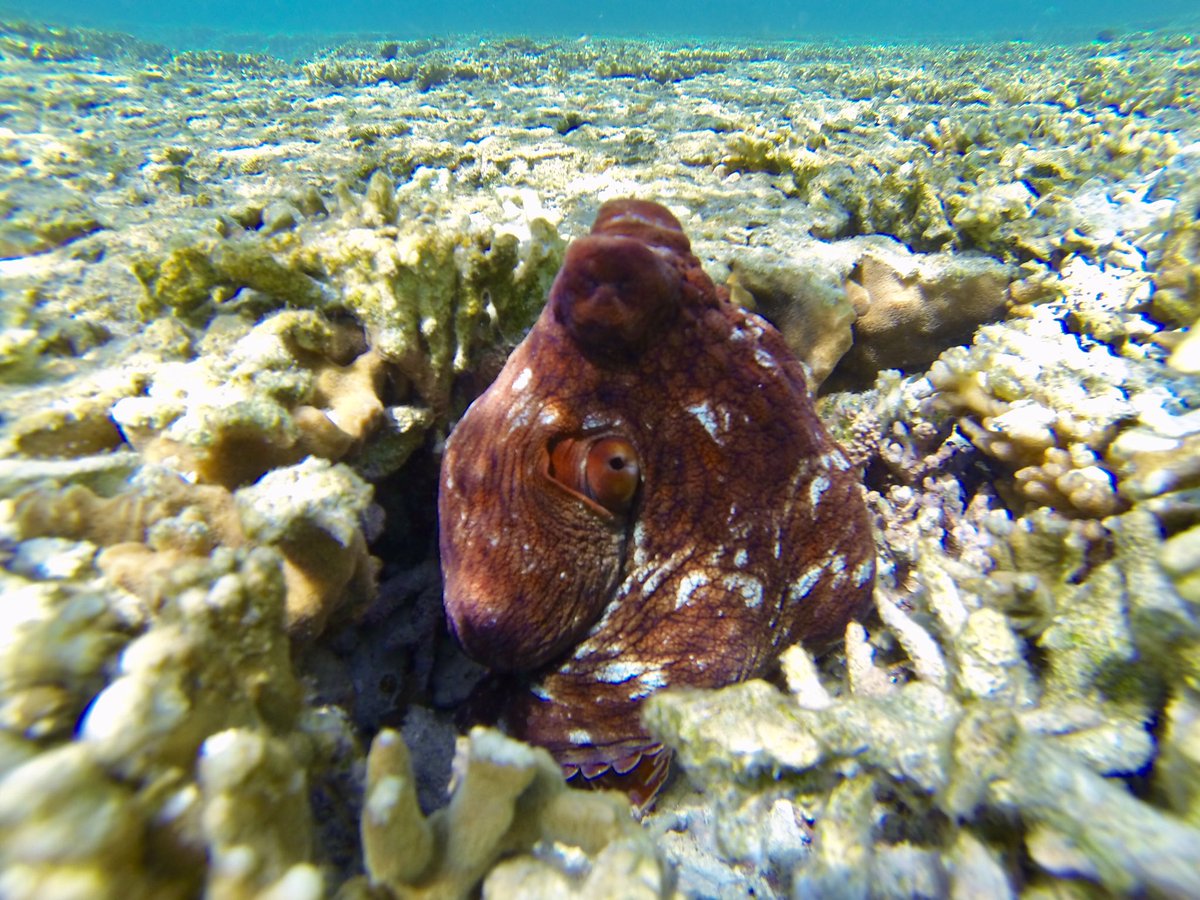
(235, 24)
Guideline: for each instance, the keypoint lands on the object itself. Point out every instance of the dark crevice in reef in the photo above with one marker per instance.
(396, 665)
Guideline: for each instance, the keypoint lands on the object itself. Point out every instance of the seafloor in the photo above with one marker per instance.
(243, 301)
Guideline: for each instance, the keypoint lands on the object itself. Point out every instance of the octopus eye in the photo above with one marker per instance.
(605, 469)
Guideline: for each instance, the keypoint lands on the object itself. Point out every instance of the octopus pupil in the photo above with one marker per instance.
(616, 464)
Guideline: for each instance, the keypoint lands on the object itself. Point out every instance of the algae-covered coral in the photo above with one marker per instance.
(243, 300)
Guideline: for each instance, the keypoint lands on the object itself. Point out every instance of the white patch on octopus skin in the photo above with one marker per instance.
(764, 359)
(748, 587)
(836, 459)
(704, 414)
(618, 672)
(800, 588)
(522, 380)
(816, 489)
(654, 679)
(648, 683)
(688, 586)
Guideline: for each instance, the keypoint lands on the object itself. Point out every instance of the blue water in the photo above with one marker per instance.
(218, 22)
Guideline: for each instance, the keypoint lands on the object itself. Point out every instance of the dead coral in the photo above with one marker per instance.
(860, 306)
(954, 739)
(1176, 263)
(1045, 406)
(506, 798)
(909, 308)
(278, 393)
(314, 513)
(428, 296)
(212, 657)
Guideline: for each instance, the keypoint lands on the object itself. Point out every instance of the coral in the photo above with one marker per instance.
(430, 64)
(81, 430)
(1180, 558)
(60, 638)
(1044, 405)
(299, 382)
(909, 309)
(427, 296)
(507, 798)
(1186, 356)
(255, 818)
(1155, 458)
(314, 513)
(1178, 771)
(302, 296)
(211, 656)
(69, 830)
(867, 304)
(283, 390)
(967, 732)
(1176, 263)
(26, 229)
(804, 302)
(972, 179)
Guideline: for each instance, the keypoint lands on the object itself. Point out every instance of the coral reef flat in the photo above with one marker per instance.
(243, 300)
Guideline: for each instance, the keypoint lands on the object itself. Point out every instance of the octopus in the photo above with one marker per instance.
(644, 498)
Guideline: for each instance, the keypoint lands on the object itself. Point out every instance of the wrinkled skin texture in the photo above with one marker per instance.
(744, 530)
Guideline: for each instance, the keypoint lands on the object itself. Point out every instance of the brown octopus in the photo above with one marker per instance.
(643, 498)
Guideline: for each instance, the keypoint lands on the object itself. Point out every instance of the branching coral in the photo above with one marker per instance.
(507, 798)
(968, 734)
(212, 656)
(1044, 405)
(314, 513)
